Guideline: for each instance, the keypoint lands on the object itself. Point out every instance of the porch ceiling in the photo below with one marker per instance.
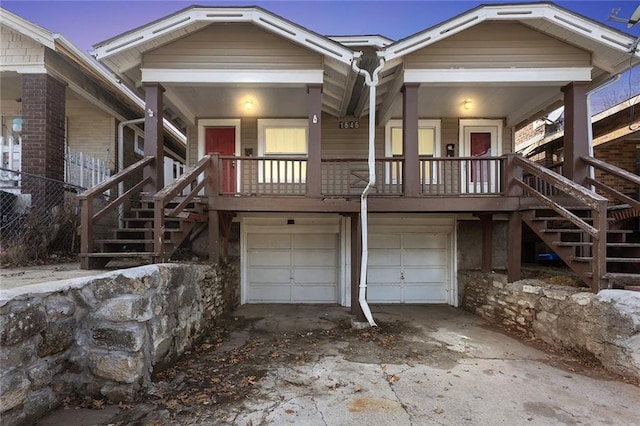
(513, 103)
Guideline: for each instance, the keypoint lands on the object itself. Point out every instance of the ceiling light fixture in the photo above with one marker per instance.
(467, 104)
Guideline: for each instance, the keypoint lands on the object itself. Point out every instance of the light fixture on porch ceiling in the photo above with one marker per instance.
(248, 104)
(467, 104)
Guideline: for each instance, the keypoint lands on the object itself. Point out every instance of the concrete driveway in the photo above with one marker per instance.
(304, 365)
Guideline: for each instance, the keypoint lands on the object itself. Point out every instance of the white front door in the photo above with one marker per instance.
(480, 141)
(408, 268)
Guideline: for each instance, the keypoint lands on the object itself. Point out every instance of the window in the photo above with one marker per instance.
(428, 146)
(138, 143)
(286, 139)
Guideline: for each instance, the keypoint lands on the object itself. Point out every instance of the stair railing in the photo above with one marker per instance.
(617, 172)
(201, 177)
(88, 219)
(597, 204)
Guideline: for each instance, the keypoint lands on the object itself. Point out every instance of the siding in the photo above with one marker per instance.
(91, 131)
(498, 45)
(16, 49)
(232, 46)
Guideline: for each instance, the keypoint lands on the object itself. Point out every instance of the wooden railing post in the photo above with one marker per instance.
(86, 230)
(512, 172)
(599, 255)
(212, 191)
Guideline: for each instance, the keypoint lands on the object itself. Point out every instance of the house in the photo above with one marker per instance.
(283, 123)
(44, 78)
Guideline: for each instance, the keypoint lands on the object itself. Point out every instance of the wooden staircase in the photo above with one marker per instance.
(575, 247)
(134, 239)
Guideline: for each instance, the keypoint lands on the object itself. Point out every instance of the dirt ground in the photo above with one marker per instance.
(307, 365)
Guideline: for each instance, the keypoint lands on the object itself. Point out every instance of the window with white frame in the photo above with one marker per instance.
(285, 139)
(428, 147)
(138, 142)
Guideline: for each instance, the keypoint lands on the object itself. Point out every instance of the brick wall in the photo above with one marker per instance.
(43, 134)
(623, 154)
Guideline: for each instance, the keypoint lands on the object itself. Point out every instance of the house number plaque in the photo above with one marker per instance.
(349, 124)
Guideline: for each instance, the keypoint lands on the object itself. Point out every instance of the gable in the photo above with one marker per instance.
(498, 45)
(17, 49)
(232, 46)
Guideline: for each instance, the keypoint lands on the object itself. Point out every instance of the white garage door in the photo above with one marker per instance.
(408, 268)
(292, 268)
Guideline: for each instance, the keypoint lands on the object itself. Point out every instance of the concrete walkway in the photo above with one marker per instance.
(425, 365)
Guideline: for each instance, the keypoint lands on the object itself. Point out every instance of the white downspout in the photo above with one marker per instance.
(121, 127)
(603, 86)
(371, 80)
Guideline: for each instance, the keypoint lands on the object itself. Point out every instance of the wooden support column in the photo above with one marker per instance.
(486, 220)
(153, 137)
(213, 191)
(314, 147)
(411, 167)
(514, 248)
(576, 132)
(356, 261)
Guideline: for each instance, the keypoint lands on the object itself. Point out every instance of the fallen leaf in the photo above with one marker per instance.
(289, 411)
(438, 411)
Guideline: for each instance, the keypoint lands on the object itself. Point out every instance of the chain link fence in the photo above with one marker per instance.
(39, 218)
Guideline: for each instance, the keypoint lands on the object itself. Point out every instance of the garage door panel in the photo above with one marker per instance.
(385, 257)
(425, 275)
(427, 257)
(269, 275)
(269, 293)
(314, 241)
(314, 275)
(269, 258)
(315, 257)
(384, 294)
(268, 241)
(425, 294)
(314, 294)
(384, 241)
(423, 240)
(379, 275)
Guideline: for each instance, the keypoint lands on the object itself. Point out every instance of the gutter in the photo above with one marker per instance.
(371, 80)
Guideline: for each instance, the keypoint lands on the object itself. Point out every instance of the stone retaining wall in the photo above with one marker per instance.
(606, 325)
(103, 336)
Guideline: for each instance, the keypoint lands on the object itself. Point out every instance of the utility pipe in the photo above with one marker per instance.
(592, 92)
(371, 80)
(121, 127)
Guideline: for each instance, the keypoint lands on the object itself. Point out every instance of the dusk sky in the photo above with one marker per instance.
(86, 23)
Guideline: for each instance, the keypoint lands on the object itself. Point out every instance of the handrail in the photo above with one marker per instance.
(88, 218)
(169, 192)
(564, 184)
(115, 179)
(618, 173)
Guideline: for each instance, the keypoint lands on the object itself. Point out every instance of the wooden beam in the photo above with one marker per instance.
(576, 132)
(314, 146)
(410, 152)
(154, 136)
(487, 241)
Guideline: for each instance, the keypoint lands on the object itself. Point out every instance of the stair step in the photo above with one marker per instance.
(621, 275)
(125, 241)
(580, 231)
(559, 218)
(119, 254)
(589, 244)
(609, 259)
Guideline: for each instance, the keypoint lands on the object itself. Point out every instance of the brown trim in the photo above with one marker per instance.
(314, 147)
(411, 169)
(153, 136)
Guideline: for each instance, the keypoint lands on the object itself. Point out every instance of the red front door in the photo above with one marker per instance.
(223, 141)
(480, 147)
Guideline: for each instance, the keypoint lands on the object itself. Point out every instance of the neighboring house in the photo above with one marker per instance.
(616, 140)
(60, 109)
(280, 126)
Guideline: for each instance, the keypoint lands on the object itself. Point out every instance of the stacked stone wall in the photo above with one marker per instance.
(605, 325)
(104, 336)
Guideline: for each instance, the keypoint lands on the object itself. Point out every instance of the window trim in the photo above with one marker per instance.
(137, 135)
(268, 123)
(422, 123)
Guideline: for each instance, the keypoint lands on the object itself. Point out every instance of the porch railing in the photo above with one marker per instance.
(617, 178)
(347, 177)
(462, 175)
